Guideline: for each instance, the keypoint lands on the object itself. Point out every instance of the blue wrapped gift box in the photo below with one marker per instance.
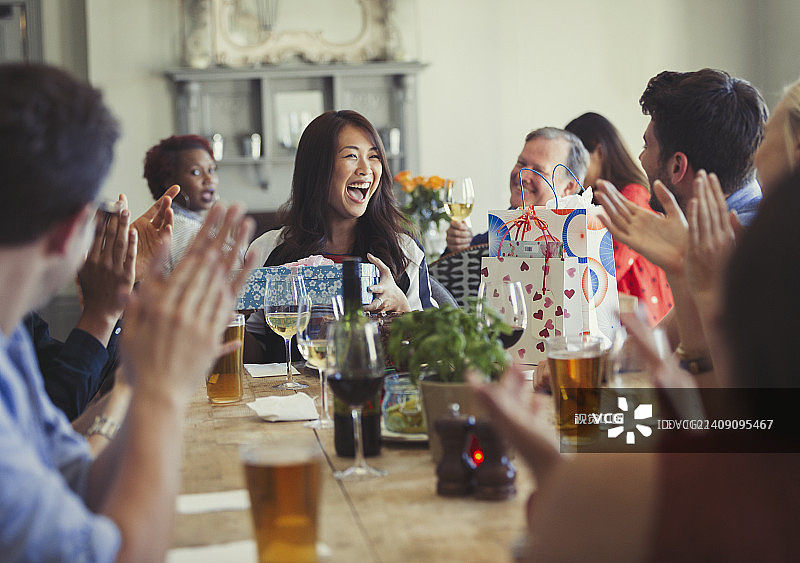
(322, 283)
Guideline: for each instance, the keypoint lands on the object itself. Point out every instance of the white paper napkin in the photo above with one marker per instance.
(212, 502)
(268, 370)
(284, 408)
(240, 551)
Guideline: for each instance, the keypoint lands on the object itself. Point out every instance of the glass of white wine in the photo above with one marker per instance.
(312, 341)
(282, 302)
(459, 197)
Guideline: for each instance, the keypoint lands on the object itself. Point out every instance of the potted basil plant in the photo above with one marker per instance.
(438, 347)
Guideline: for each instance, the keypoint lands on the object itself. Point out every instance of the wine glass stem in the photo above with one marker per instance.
(358, 443)
(324, 415)
(288, 359)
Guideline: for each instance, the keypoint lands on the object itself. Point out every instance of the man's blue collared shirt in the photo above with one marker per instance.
(44, 467)
(745, 202)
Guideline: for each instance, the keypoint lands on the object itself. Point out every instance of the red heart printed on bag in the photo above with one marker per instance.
(558, 332)
(566, 314)
(485, 272)
(521, 353)
(571, 272)
(538, 314)
(547, 302)
(496, 293)
(549, 324)
(502, 310)
(544, 333)
(500, 258)
(506, 278)
(537, 296)
(569, 293)
(559, 311)
(524, 267)
(540, 346)
(529, 288)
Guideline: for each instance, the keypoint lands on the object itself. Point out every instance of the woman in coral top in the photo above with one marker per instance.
(611, 160)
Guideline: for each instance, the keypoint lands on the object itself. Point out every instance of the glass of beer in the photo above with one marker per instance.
(283, 478)
(224, 382)
(577, 364)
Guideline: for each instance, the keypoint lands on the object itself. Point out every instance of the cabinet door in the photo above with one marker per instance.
(378, 99)
(230, 108)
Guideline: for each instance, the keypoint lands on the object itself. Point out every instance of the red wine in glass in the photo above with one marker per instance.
(509, 340)
(354, 390)
(507, 299)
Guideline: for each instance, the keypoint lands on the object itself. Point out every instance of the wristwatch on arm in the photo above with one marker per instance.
(695, 362)
(104, 426)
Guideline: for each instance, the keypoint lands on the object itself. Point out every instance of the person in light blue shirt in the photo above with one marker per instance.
(745, 202)
(57, 502)
(44, 470)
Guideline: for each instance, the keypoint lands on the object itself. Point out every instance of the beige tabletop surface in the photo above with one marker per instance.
(395, 518)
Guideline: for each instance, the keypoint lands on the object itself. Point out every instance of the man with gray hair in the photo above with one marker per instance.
(544, 149)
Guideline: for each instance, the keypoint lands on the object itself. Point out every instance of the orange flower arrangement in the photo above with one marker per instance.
(424, 206)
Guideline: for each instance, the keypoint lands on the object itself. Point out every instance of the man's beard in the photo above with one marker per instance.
(654, 203)
(661, 174)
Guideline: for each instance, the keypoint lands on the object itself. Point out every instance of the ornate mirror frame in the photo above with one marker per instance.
(279, 47)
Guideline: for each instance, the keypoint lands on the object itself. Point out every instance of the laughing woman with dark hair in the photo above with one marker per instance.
(342, 204)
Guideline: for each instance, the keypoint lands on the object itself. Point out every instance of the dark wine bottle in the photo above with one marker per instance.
(371, 413)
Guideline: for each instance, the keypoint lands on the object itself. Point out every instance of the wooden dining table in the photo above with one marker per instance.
(398, 517)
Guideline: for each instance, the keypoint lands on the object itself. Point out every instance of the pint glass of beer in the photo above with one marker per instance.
(224, 382)
(284, 482)
(577, 364)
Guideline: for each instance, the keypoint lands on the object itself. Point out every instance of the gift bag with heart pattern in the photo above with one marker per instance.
(583, 237)
(552, 289)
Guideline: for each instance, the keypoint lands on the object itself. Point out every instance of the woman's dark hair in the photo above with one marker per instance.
(716, 120)
(761, 293)
(161, 161)
(619, 167)
(305, 215)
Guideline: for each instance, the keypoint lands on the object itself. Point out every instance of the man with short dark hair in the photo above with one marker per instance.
(544, 149)
(57, 502)
(704, 129)
(703, 120)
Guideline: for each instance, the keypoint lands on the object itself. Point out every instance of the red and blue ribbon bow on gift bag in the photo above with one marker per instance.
(524, 222)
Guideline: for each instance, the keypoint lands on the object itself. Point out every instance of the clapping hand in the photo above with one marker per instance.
(662, 239)
(107, 276)
(712, 235)
(518, 414)
(174, 324)
(152, 227)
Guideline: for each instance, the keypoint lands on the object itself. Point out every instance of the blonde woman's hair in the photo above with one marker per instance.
(791, 125)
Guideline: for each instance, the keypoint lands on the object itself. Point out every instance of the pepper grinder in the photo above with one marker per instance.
(494, 478)
(454, 470)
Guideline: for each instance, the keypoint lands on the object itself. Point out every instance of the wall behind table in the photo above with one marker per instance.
(496, 70)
